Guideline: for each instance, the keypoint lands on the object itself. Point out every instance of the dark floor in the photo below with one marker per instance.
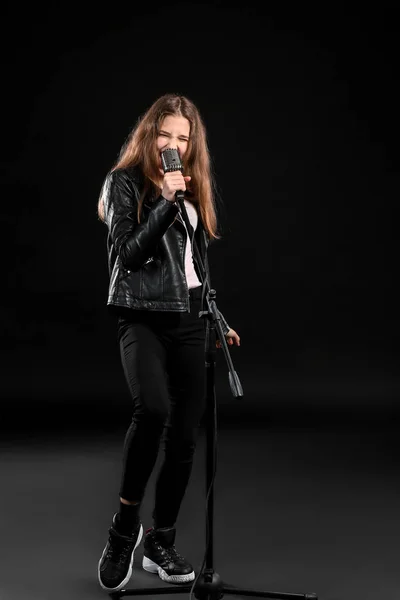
(298, 509)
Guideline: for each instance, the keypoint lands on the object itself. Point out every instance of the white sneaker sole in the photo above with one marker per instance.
(152, 567)
(129, 574)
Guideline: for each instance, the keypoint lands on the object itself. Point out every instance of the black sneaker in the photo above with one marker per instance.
(161, 557)
(115, 565)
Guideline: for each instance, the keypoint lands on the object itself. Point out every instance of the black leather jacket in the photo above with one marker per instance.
(146, 260)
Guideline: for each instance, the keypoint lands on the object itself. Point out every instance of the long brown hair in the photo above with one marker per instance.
(140, 150)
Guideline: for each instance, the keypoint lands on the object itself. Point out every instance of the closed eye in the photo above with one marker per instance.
(182, 138)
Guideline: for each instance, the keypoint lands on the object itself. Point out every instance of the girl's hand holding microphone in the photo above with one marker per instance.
(172, 183)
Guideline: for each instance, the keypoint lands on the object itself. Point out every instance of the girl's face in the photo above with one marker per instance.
(173, 133)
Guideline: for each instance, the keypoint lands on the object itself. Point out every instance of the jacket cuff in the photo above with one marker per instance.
(172, 202)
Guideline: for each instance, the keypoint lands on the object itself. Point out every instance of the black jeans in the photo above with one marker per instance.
(163, 359)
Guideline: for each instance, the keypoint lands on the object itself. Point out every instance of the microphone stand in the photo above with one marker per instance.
(208, 584)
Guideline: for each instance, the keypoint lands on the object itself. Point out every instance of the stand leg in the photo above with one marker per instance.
(210, 587)
(260, 594)
(184, 589)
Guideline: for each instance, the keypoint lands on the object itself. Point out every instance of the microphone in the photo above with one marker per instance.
(171, 161)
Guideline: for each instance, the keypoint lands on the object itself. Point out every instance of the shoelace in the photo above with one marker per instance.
(118, 551)
(173, 554)
(163, 551)
(168, 553)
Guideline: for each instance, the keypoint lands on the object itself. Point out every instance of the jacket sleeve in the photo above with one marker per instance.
(133, 242)
(224, 325)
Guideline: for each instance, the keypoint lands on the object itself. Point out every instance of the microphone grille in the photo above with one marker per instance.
(171, 161)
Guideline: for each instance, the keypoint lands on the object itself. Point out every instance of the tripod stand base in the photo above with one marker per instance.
(211, 587)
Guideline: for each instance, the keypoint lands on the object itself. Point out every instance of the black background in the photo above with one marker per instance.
(301, 108)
